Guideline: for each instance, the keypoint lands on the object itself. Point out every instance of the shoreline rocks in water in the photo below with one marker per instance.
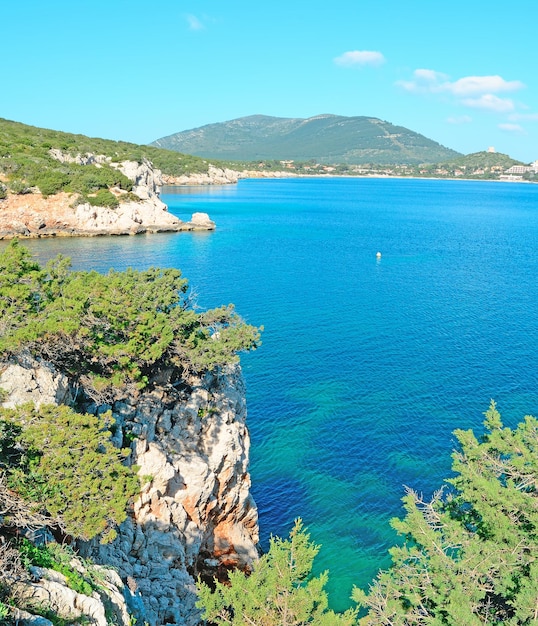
(32, 215)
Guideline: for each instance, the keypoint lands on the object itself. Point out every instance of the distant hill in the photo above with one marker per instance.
(484, 159)
(323, 138)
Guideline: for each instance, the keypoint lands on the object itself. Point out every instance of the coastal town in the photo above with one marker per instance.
(486, 165)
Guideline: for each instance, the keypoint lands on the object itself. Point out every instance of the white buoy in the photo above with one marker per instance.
(378, 255)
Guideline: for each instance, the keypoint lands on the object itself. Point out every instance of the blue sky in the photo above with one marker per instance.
(461, 73)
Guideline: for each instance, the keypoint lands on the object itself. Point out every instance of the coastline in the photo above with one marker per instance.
(32, 216)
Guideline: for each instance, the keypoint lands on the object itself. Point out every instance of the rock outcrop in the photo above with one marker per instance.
(195, 515)
(140, 211)
(223, 176)
(107, 603)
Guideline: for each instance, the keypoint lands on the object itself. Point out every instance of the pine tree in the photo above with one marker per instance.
(470, 555)
(280, 591)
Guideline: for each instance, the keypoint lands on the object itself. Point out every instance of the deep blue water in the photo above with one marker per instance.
(367, 365)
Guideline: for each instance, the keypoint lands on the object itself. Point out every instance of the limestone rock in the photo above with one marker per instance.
(129, 218)
(24, 618)
(213, 176)
(32, 215)
(202, 221)
(195, 505)
(147, 180)
(51, 589)
(194, 514)
(25, 380)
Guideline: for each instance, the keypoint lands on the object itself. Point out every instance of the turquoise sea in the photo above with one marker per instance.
(367, 364)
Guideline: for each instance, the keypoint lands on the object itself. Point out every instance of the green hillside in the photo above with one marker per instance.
(26, 162)
(484, 159)
(323, 138)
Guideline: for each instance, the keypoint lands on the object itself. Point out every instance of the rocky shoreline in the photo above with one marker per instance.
(31, 215)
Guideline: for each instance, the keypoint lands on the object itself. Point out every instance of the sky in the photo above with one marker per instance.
(462, 73)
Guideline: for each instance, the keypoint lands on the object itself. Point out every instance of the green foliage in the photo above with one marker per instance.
(323, 139)
(50, 182)
(59, 558)
(112, 328)
(24, 156)
(71, 469)
(469, 555)
(280, 591)
(20, 285)
(18, 186)
(102, 197)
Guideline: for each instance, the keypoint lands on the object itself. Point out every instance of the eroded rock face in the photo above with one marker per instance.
(195, 510)
(32, 215)
(23, 382)
(51, 590)
(195, 514)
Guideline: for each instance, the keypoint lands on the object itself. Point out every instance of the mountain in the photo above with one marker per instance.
(323, 138)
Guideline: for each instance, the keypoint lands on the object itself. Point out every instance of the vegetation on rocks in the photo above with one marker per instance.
(64, 464)
(59, 468)
(112, 329)
(26, 162)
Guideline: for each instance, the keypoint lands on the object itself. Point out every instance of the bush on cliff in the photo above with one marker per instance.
(102, 197)
(62, 464)
(114, 327)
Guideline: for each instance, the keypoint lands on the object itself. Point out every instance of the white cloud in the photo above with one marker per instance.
(194, 22)
(490, 102)
(359, 58)
(475, 92)
(460, 119)
(512, 128)
(515, 117)
(423, 81)
(477, 85)
(431, 81)
(429, 75)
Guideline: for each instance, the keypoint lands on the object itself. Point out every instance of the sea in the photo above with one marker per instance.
(369, 361)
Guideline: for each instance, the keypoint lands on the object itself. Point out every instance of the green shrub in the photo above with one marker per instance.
(18, 186)
(280, 590)
(58, 558)
(114, 326)
(51, 182)
(103, 198)
(71, 469)
(468, 556)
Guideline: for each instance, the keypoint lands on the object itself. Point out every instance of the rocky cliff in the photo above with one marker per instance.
(140, 211)
(194, 515)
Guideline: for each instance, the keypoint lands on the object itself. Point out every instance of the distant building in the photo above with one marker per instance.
(491, 149)
(523, 169)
